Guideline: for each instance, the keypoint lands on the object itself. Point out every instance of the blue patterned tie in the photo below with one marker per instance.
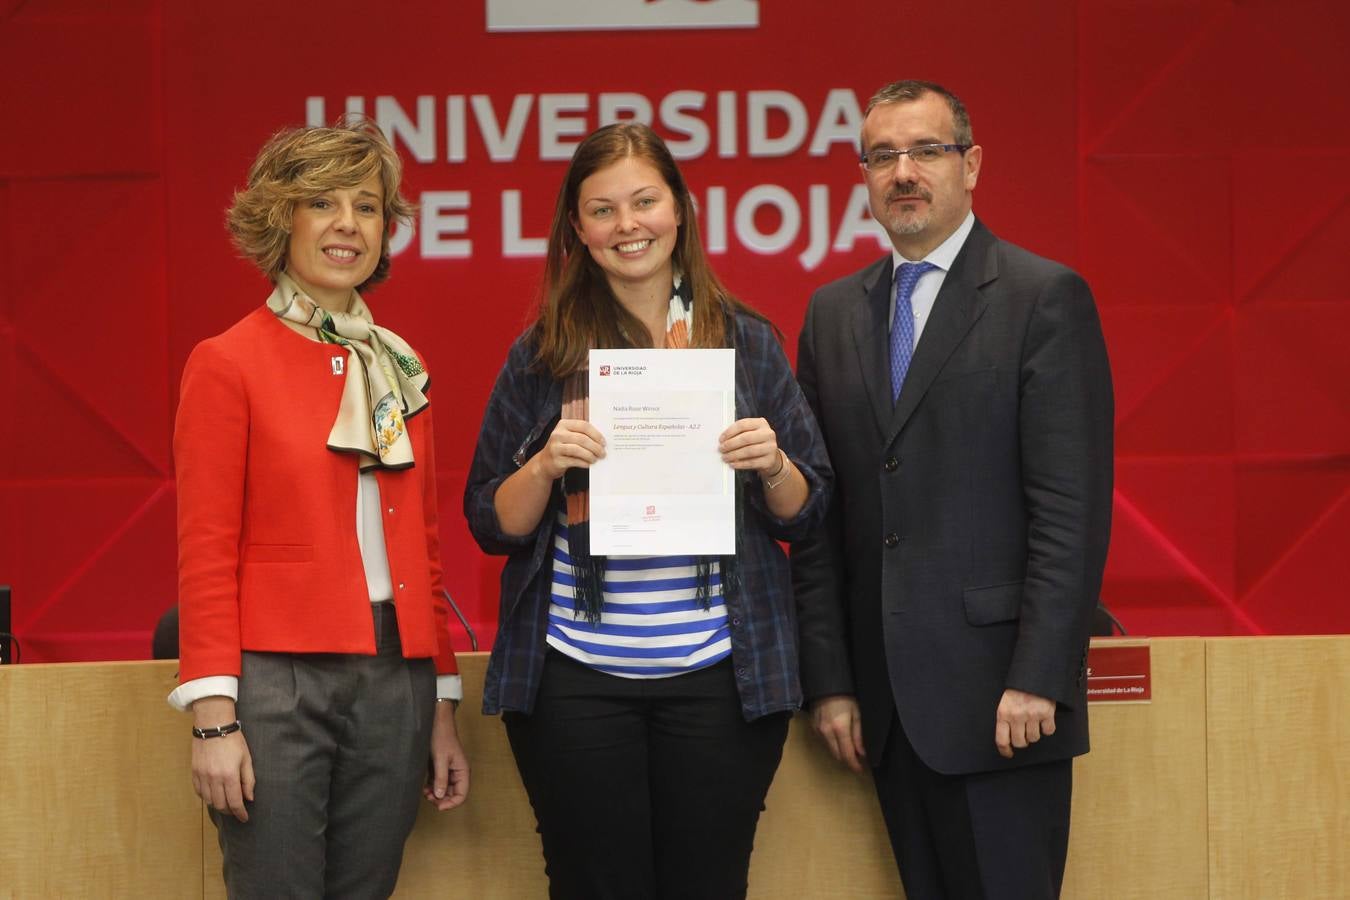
(902, 328)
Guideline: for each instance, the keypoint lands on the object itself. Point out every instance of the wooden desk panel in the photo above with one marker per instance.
(821, 834)
(1279, 767)
(1139, 803)
(1233, 785)
(93, 766)
(488, 847)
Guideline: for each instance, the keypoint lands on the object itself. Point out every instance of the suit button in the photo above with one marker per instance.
(892, 540)
(892, 464)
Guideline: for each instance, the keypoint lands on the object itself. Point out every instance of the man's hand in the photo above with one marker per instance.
(1022, 719)
(839, 723)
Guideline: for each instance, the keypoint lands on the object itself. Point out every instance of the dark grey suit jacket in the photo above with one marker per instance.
(964, 548)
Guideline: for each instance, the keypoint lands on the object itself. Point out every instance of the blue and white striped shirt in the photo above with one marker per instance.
(525, 405)
(652, 624)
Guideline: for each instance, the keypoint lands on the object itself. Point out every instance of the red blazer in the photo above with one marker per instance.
(267, 552)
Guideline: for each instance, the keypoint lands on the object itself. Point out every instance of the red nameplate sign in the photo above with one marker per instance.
(1118, 674)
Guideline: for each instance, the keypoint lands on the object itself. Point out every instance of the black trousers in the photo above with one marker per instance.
(981, 836)
(340, 745)
(644, 788)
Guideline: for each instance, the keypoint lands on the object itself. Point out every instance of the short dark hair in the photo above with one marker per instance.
(909, 90)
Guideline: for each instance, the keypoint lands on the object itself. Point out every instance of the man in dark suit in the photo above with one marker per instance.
(945, 607)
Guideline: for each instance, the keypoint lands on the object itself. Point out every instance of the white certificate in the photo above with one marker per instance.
(662, 488)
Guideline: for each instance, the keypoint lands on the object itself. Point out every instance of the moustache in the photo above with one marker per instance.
(909, 191)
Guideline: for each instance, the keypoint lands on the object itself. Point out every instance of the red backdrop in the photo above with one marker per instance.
(1189, 157)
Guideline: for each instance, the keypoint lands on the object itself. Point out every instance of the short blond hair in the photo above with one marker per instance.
(298, 164)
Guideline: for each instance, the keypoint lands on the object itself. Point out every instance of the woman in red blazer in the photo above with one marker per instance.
(314, 641)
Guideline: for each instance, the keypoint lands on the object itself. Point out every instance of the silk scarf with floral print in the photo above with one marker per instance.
(385, 382)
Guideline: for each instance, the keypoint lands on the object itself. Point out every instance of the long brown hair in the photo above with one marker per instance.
(577, 309)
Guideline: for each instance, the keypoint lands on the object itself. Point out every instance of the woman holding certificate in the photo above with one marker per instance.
(646, 699)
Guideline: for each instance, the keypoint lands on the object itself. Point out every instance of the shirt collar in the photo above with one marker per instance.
(944, 254)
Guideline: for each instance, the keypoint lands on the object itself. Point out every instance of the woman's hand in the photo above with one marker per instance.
(752, 445)
(520, 500)
(448, 768)
(574, 443)
(222, 769)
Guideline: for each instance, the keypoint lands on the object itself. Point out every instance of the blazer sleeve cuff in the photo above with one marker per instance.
(449, 687)
(190, 692)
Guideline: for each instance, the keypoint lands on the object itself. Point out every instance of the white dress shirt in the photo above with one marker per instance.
(930, 282)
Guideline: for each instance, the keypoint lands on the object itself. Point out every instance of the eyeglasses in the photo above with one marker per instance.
(885, 159)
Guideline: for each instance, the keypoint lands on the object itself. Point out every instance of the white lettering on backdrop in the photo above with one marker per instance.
(763, 218)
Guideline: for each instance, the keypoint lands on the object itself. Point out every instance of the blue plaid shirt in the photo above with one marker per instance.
(520, 416)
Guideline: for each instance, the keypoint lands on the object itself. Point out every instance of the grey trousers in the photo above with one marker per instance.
(340, 746)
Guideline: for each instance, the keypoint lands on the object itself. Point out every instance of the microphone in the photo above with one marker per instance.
(5, 625)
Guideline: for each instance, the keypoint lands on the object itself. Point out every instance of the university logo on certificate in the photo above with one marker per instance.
(662, 488)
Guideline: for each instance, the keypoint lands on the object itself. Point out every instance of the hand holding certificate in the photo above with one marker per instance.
(662, 487)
